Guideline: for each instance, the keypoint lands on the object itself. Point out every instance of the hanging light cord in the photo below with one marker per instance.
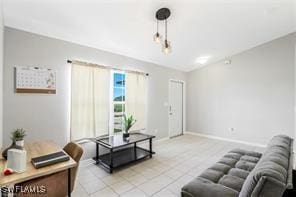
(166, 34)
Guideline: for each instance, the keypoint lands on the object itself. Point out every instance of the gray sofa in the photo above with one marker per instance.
(242, 173)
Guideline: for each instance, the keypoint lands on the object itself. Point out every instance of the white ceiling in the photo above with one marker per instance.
(196, 28)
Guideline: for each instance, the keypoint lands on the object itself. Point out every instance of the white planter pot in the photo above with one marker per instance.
(20, 143)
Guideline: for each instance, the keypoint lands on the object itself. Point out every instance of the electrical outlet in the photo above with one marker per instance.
(231, 129)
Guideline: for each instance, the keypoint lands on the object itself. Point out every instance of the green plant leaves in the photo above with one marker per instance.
(129, 121)
(18, 134)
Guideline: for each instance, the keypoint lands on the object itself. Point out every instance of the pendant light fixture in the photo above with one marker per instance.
(163, 14)
(157, 37)
(166, 47)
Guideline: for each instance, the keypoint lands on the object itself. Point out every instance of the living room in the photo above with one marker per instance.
(147, 98)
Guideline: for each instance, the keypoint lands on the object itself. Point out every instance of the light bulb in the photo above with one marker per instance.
(166, 48)
(157, 38)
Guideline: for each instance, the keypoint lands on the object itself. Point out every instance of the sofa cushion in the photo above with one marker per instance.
(221, 167)
(280, 141)
(233, 155)
(245, 165)
(205, 188)
(239, 173)
(225, 177)
(271, 172)
(212, 175)
(232, 182)
(250, 158)
(246, 152)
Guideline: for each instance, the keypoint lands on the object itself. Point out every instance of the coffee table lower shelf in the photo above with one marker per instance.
(123, 157)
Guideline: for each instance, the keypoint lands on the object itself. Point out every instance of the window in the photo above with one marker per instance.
(100, 97)
(118, 100)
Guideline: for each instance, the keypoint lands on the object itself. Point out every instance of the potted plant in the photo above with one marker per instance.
(128, 122)
(18, 136)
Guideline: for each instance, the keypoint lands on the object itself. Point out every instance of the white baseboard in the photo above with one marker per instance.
(225, 139)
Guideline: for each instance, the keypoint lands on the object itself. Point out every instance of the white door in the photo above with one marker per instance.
(176, 108)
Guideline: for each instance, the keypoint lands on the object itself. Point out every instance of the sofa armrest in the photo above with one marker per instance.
(268, 186)
(200, 187)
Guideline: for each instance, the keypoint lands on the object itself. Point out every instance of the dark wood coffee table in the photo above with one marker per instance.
(122, 152)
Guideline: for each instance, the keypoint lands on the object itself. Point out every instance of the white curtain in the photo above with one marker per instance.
(89, 101)
(136, 99)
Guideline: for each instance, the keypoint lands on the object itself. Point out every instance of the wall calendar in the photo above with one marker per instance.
(35, 80)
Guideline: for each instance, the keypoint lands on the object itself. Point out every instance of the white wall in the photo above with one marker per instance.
(254, 95)
(47, 116)
(1, 73)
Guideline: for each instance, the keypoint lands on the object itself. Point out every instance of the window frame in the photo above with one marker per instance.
(112, 103)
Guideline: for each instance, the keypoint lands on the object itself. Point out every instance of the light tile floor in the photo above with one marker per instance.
(176, 162)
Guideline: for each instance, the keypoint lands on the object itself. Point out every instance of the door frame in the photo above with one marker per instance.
(183, 106)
